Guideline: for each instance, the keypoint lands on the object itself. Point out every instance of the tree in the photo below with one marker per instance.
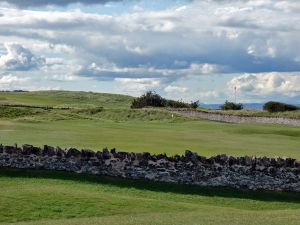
(231, 106)
(149, 99)
(279, 107)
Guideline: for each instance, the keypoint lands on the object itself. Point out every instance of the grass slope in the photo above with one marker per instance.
(41, 197)
(66, 98)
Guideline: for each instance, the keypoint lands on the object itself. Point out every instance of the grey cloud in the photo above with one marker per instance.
(143, 40)
(19, 58)
(110, 72)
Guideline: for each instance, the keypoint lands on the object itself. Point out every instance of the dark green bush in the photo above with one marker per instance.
(195, 104)
(177, 104)
(231, 106)
(279, 107)
(149, 99)
(96, 110)
(153, 99)
(91, 111)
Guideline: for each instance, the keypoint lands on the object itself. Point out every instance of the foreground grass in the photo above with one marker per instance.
(41, 197)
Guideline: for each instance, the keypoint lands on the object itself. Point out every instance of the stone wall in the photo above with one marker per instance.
(215, 116)
(275, 174)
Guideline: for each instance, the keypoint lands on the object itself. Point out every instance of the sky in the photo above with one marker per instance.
(182, 49)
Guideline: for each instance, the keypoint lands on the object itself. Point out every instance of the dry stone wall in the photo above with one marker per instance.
(274, 174)
(215, 116)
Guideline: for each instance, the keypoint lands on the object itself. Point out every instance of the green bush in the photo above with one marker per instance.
(91, 111)
(195, 104)
(279, 107)
(232, 106)
(149, 99)
(177, 104)
(153, 99)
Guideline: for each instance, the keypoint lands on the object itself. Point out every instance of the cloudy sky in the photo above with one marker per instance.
(182, 49)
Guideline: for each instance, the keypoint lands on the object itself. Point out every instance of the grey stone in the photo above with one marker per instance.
(273, 174)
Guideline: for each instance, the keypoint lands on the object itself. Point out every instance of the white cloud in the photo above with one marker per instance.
(137, 86)
(68, 78)
(11, 82)
(262, 50)
(209, 94)
(52, 48)
(175, 89)
(19, 58)
(204, 68)
(10, 79)
(38, 3)
(267, 85)
(15, 82)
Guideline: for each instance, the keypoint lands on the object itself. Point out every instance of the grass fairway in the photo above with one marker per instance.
(205, 137)
(41, 197)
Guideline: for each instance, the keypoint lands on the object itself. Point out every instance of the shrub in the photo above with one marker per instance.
(149, 99)
(91, 111)
(279, 107)
(96, 110)
(155, 100)
(177, 104)
(231, 106)
(195, 104)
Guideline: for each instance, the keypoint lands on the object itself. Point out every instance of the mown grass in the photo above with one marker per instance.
(170, 136)
(42, 197)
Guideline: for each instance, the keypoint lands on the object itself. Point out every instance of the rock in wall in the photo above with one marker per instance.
(274, 174)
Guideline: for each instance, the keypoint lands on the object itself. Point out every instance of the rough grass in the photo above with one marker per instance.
(66, 98)
(15, 112)
(97, 114)
(41, 197)
(253, 112)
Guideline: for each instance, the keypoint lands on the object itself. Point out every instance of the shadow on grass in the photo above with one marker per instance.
(154, 186)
